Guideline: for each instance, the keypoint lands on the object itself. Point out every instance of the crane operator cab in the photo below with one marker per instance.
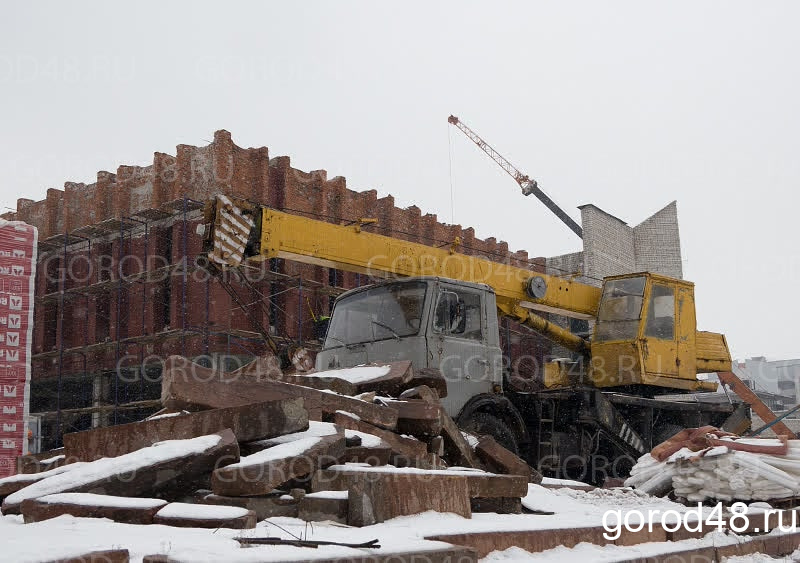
(646, 334)
(434, 322)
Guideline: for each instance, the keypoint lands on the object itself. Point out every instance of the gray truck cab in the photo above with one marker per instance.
(434, 322)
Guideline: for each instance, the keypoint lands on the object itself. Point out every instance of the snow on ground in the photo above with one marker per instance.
(760, 558)
(584, 552)
(562, 482)
(586, 508)
(336, 495)
(69, 537)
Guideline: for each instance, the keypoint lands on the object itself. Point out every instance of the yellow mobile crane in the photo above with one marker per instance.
(439, 308)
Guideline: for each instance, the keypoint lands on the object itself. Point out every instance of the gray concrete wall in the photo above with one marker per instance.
(657, 243)
(608, 244)
(611, 247)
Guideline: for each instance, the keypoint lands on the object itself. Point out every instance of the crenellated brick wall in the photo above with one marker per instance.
(87, 324)
(222, 167)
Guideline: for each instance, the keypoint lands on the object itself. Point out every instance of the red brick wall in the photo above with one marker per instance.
(133, 310)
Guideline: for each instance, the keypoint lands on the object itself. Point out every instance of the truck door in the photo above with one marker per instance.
(659, 350)
(457, 344)
(686, 332)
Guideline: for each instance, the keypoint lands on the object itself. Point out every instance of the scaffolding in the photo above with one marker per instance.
(72, 390)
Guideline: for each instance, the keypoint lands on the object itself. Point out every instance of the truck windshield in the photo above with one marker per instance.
(386, 311)
(620, 310)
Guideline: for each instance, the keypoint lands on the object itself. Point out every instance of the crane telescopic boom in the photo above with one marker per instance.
(529, 186)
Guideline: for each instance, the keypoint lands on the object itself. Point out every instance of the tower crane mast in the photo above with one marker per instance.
(529, 185)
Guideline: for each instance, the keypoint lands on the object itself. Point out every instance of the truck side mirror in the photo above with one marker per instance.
(447, 307)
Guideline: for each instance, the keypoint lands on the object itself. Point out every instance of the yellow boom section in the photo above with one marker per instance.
(352, 249)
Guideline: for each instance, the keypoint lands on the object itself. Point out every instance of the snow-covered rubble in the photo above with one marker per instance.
(722, 472)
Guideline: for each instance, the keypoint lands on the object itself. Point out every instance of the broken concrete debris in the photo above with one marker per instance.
(276, 503)
(388, 380)
(172, 468)
(377, 497)
(330, 506)
(14, 483)
(404, 451)
(240, 447)
(355, 447)
(457, 450)
(205, 516)
(188, 385)
(119, 509)
(500, 460)
(700, 464)
(263, 471)
(248, 423)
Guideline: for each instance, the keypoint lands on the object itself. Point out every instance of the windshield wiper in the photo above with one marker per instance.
(387, 328)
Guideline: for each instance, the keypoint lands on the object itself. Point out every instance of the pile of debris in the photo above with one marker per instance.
(700, 464)
(356, 446)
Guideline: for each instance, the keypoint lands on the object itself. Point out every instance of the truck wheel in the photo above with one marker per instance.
(482, 423)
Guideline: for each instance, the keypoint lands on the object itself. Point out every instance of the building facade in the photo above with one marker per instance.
(119, 288)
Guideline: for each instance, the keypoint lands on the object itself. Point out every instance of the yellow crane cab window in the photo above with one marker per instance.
(661, 313)
(620, 310)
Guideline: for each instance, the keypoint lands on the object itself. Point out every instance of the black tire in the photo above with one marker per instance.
(485, 424)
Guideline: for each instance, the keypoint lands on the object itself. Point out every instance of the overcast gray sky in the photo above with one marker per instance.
(627, 105)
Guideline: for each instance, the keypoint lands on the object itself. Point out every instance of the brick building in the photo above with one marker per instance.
(118, 288)
(612, 247)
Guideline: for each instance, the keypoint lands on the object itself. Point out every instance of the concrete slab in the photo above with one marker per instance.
(255, 421)
(86, 505)
(205, 516)
(377, 497)
(262, 472)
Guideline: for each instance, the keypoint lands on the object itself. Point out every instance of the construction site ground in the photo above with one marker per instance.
(573, 532)
(358, 464)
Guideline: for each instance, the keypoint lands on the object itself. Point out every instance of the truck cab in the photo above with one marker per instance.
(434, 322)
(646, 334)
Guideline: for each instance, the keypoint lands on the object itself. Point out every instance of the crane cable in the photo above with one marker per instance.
(450, 166)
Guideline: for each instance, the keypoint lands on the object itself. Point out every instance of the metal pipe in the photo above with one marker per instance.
(557, 334)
